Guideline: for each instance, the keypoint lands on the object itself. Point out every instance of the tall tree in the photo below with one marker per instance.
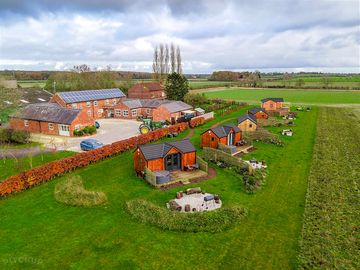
(166, 59)
(172, 58)
(176, 87)
(156, 64)
(178, 61)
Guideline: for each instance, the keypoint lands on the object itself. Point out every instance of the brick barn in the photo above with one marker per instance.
(50, 118)
(259, 113)
(151, 90)
(96, 103)
(225, 134)
(158, 110)
(247, 122)
(169, 156)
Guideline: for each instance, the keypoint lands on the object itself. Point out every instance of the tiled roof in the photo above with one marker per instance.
(177, 106)
(272, 99)
(170, 105)
(156, 151)
(247, 116)
(48, 112)
(255, 110)
(224, 130)
(151, 86)
(88, 95)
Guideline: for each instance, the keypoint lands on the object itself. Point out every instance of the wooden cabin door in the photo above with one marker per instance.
(173, 162)
(231, 139)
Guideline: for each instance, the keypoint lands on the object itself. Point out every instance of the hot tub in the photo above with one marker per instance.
(162, 177)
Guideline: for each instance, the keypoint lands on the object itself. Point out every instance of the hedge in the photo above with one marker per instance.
(211, 221)
(197, 122)
(50, 170)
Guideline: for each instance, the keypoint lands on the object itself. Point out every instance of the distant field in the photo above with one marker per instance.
(32, 83)
(294, 96)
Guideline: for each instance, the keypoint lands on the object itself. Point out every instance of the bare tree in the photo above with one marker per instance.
(81, 68)
(162, 60)
(167, 59)
(178, 60)
(172, 58)
(156, 64)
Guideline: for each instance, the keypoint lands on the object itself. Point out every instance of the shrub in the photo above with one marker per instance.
(5, 135)
(264, 136)
(72, 192)
(254, 180)
(89, 129)
(46, 172)
(78, 132)
(20, 136)
(212, 221)
(194, 122)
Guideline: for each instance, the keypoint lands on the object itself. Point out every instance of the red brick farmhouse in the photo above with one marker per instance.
(50, 118)
(147, 91)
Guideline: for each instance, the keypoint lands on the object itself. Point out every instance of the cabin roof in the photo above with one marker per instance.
(256, 110)
(48, 112)
(159, 150)
(272, 99)
(223, 130)
(88, 95)
(247, 116)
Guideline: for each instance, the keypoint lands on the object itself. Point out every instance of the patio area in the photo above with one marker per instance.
(241, 150)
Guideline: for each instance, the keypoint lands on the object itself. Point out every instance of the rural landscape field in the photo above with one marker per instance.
(179, 135)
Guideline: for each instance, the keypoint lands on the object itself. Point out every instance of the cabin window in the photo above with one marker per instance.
(134, 112)
(118, 112)
(212, 139)
(107, 102)
(250, 125)
(51, 126)
(74, 105)
(88, 104)
(26, 123)
(95, 103)
(125, 112)
(271, 105)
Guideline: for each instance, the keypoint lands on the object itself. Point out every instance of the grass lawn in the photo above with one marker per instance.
(18, 146)
(32, 83)
(331, 222)
(10, 166)
(294, 96)
(50, 235)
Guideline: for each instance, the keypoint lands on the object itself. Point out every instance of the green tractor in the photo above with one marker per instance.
(149, 125)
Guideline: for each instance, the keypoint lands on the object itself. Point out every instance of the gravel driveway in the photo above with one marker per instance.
(111, 130)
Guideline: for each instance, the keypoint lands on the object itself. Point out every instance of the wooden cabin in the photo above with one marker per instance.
(275, 106)
(226, 134)
(259, 113)
(247, 122)
(169, 156)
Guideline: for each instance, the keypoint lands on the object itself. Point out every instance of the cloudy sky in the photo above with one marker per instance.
(267, 35)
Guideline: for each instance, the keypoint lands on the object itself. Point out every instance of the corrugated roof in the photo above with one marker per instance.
(273, 99)
(88, 95)
(247, 116)
(255, 110)
(156, 151)
(224, 130)
(48, 112)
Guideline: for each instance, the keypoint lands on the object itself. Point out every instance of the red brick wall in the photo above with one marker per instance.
(161, 113)
(139, 91)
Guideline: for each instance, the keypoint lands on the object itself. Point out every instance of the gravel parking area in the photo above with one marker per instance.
(111, 130)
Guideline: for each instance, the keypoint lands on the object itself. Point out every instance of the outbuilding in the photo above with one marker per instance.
(225, 134)
(274, 106)
(169, 156)
(247, 122)
(150, 90)
(259, 113)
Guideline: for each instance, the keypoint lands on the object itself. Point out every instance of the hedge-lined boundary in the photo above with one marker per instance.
(50, 170)
(211, 221)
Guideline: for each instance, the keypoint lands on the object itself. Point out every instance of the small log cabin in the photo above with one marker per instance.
(247, 122)
(259, 113)
(226, 134)
(274, 106)
(169, 156)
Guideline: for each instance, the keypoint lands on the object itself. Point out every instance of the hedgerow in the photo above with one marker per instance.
(212, 221)
(50, 170)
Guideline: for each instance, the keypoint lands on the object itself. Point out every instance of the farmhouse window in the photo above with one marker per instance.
(134, 112)
(107, 102)
(100, 111)
(114, 101)
(74, 105)
(51, 126)
(148, 111)
(26, 123)
(88, 104)
(125, 112)
(95, 103)
(118, 112)
(89, 113)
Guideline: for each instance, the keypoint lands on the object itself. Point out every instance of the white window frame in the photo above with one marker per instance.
(89, 113)
(100, 111)
(125, 113)
(95, 103)
(88, 104)
(51, 126)
(26, 123)
(107, 102)
(134, 112)
(114, 101)
(117, 112)
(74, 106)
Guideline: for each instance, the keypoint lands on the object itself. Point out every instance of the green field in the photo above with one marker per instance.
(320, 97)
(50, 235)
(331, 220)
(32, 83)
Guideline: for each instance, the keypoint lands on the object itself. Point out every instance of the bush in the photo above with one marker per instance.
(20, 136)
(72, 192)
(254, 180)
(86, 130)
(212, 221)
(78, 132)
(264, 136)
(46, 172)
(194, 122)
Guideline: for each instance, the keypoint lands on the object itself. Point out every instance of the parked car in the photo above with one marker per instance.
(97, 124)
(90, 144)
